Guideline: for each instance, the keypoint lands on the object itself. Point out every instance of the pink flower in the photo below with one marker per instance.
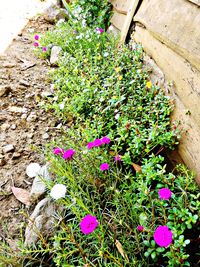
(90, 145)
(88, 224)
(105, 140)
(117, 158)
(97, 142)
(44, 49)
(140, 228)
(36, 44)
(68, 154)
(164, 193)
(99, 30)
(104, 166)
(58, 150)
(36, 37)
(163, 236)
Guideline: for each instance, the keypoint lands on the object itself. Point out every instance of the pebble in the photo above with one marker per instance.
(16, 155)
(45, 136)
(17, 109)
(32, 117)
(8, 148)
(4, 90)
(5, 126)
(24, 83)
(24, 116)
(13, 126)
(55, 52)
(46, 94)
(2, 162)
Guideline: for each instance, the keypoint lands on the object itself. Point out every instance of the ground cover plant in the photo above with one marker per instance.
(120, 205)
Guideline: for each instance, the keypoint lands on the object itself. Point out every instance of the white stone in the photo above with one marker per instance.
(55, 52)
(8, 148)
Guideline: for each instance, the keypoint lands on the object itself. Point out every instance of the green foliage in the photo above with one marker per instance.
(121, 200)
(105, 88)
(96, 13)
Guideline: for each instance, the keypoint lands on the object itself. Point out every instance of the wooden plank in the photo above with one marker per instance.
(197, 2)
(121, 6)
(131, 11)
(118, 20)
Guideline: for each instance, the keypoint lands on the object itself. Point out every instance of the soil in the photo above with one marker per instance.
(23, 123)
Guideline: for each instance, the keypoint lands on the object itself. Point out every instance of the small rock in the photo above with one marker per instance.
(41, 221)
(13, 126)
(54, 14)
(17, 109)
(2, 162)
(55, 52)
(46, 94)
(24, 116)
(32, 117)
(5, 126)
(45, 136)
(16, 155)
(4, 90)
(39, 187)
(30, 135)
(8, 148)
(24, 83)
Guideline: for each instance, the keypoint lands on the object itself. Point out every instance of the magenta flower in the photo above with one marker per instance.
(97, 142)
(88, 224)
(99, 30)
(36, 37)
(117, 158)
(68, 154)
(58, 150)
(163, 236)
(105, 140)
(140, 228)
(90, 145)
(44, 49)
(164, 193)
(104, 166)
(36, 44)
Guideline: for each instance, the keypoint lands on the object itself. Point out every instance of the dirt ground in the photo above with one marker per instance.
(23, 124)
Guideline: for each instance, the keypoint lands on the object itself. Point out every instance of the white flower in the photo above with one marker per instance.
(32, 169)
(58, 191)
(62, 105)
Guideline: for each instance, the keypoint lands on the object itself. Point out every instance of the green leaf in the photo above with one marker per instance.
(153, 255)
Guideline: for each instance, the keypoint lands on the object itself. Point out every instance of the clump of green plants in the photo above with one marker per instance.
(104, 88)
(95, 13)
(113, 217)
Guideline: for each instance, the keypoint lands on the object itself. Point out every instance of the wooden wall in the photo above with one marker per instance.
(170, 33)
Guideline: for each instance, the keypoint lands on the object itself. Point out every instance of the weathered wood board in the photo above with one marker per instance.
(176, 24)
(186, 92)
(123, 14)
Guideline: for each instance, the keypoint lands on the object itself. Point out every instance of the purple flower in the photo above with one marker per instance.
(75, 32)
(99, 30)
(140, 228)
(105, 140)
(44, 49)
(58, 150)
(163, 236)
(164, 193)
(104, 166)
(90, 145)
(36, 37)
(88, 224)
(68, 154)
(97, 142)
(117, 158)
(36, 44)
